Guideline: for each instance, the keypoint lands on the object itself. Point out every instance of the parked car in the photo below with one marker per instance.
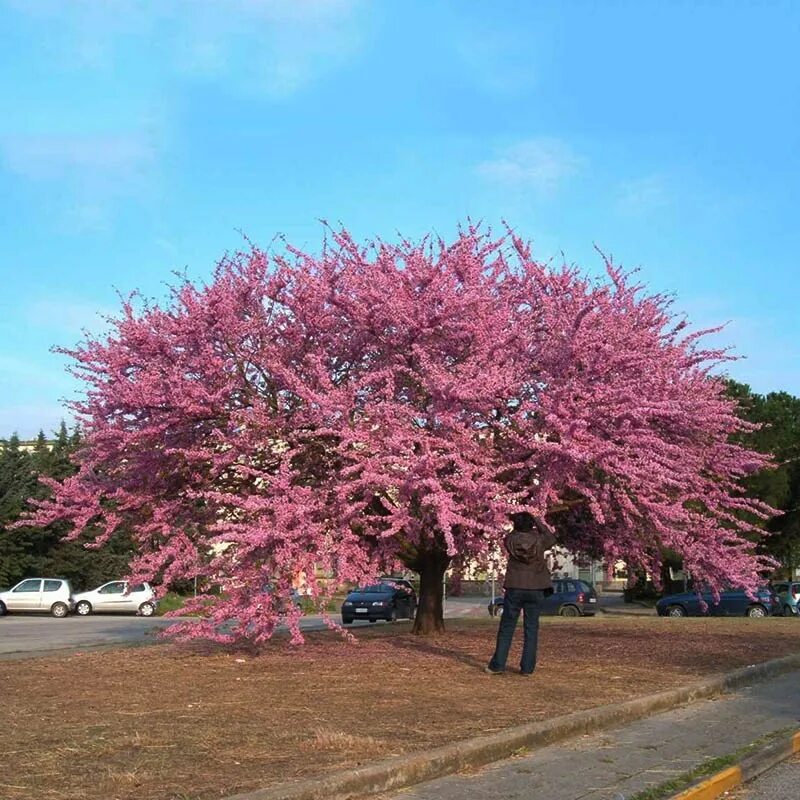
(570, 598)
(404, 582)
(53, 595)
(117, 597)
(789, 594)
(732, 603)
(294, 595)
(390, 599)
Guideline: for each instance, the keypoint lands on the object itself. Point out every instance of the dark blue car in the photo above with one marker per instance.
(571, 598)
(390, 600)
(732, 603)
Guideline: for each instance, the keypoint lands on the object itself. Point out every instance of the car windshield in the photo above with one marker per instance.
(375, 588)
(397, 583)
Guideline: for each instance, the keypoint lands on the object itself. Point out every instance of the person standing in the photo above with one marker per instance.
(527, 583)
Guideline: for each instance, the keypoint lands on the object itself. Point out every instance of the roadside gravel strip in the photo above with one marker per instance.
(403, 771)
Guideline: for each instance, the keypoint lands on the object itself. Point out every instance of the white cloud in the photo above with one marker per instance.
(114, 156)
(642, 195)
(67, 316)
(269, 46)
(541, 164)
(275, 47)
(498, 62)
(93, 171)
(16, 372)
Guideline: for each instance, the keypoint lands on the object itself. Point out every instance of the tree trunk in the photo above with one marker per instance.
(431, 566)
(456, 588)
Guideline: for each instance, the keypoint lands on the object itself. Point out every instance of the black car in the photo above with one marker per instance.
(570, 598)
(390, 599)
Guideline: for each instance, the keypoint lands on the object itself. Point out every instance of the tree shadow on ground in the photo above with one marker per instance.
(206, 647)
(421, 645)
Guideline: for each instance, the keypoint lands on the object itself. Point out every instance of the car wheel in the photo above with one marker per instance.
(2, 609)
(676, 611)
(393, 615)
(757, 612)
(84, 608)
(569, 611)
(787, 611)
(59, 610)
(147, 610)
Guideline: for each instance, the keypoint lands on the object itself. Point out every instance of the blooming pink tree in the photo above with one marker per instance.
(392, 403)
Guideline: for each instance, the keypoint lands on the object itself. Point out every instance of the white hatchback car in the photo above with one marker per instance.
(117, 597)
(52, 595)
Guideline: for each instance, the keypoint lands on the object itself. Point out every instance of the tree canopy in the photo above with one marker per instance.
(777, 415)
(394, 402)
(39, 550)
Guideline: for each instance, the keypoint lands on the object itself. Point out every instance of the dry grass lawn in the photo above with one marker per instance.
(167, 722)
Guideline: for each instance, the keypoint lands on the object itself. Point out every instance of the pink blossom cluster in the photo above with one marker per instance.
(338, 414)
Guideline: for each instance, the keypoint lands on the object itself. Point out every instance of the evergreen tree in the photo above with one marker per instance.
(17, 481)
(32, 550)
(778, 414)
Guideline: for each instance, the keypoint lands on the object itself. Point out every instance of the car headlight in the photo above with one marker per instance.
(379, 603)
(347, 603)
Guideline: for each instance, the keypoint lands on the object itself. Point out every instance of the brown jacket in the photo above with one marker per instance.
(527, 568)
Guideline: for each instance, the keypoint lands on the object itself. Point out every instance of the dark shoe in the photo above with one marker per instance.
(526, 674)
(490, 671)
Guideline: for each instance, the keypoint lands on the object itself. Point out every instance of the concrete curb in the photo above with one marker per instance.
(746, 770)
(402, 771)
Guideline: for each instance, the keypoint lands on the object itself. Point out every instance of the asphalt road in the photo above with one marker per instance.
(25, 635)
(779, 783)
(31, 634)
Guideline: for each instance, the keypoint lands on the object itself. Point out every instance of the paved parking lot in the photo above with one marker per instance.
(23, 635)
(30, 634)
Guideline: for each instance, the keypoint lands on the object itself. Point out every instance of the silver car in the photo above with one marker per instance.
(52, 595)
(117, 597)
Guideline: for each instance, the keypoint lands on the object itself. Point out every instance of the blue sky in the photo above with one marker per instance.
(138, 138)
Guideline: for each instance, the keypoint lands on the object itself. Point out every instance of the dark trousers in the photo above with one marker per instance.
(529, 602)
